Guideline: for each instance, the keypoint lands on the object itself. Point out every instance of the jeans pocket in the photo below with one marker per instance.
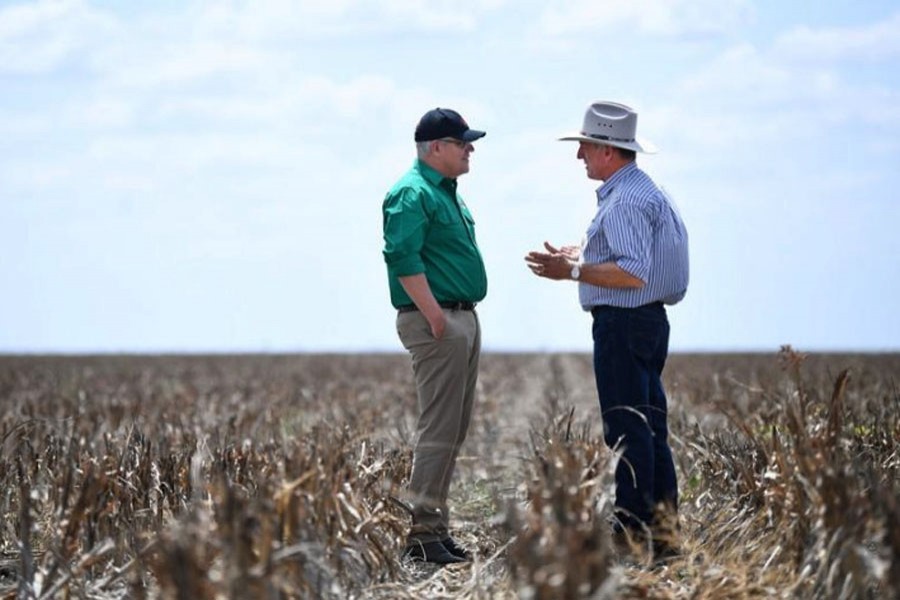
(646, 334)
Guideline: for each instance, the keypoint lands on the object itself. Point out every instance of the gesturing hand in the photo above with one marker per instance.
(572, 253)
(555, 263)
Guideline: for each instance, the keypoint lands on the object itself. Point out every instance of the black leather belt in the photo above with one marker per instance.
(602, 307)
(456, 305)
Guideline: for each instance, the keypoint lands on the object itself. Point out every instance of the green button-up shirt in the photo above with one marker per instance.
(428, 229)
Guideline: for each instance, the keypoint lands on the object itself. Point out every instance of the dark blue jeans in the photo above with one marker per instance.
(630, 350)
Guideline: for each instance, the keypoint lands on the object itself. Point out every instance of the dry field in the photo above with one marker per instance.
(282, 477)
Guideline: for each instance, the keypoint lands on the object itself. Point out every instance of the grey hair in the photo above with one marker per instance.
(423, 148)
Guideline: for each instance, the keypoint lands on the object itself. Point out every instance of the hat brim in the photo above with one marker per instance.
(469, 135)
(638, 145)
(472, 134)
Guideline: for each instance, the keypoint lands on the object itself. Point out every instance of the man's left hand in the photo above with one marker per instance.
(552, 264)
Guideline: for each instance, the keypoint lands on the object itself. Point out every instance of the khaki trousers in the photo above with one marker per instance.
(446, 372)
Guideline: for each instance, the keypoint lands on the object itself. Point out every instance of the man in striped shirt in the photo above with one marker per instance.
(633, 262)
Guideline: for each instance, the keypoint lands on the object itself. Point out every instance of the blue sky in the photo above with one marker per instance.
(208, 176)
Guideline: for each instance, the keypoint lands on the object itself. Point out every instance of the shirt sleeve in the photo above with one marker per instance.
(628, 230)
(405, 227)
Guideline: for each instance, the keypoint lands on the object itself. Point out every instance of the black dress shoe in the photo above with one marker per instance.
(665, 552)
(455, 549)
(430, 552)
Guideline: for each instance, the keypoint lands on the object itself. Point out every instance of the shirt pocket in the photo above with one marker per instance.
(448, 223)
(594, 229)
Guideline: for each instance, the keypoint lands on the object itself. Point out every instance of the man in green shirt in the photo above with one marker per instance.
(436, 276)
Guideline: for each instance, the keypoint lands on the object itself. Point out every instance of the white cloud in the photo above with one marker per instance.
(19, 123)
(754, 96)
(746, 77)
(190, 151)
(741, 72)
(656, 17)
(32, 176)
(876, 42)
(285, 19)
(38, 37)
(100, 113)
(153, 48)
(159, 62)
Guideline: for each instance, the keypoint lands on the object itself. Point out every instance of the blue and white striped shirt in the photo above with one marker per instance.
(638, 227)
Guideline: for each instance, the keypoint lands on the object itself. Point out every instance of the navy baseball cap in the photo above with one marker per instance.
(445, 123)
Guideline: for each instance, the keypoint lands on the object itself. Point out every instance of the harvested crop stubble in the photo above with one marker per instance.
(284, 476)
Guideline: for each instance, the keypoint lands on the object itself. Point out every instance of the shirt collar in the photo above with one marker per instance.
(606, 188)
(434, 177)
(429, 173)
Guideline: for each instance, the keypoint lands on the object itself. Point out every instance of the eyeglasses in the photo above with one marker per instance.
(455, 142)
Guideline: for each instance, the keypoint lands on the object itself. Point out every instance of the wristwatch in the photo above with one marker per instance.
(575, 273)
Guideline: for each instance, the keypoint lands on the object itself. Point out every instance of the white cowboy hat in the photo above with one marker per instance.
(612, 124)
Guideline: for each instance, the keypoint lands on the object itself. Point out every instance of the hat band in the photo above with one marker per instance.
(608, 138)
